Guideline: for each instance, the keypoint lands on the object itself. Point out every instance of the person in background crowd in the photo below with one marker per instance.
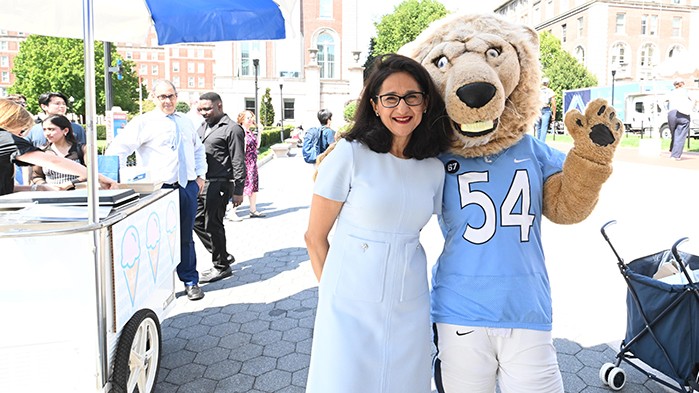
(548, 110)
(252, 142)
(61, 142)
(16, 150)
(224, 142)
(18, 99)
(166, 142)
(382, 183)
(53, 104)
(193, 113)
(678, 118)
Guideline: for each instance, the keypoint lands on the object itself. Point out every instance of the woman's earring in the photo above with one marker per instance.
(424, 111)
(377, 114)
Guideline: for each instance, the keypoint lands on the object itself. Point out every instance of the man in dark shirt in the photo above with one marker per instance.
(224, 142)
(54, 103)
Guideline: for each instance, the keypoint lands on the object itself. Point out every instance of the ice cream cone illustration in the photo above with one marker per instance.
(130, 259)
(171, 228)
(153, 243)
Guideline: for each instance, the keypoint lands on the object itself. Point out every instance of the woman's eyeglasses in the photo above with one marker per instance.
(392, 100)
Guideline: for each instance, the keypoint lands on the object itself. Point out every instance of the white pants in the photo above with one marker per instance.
(470, 359)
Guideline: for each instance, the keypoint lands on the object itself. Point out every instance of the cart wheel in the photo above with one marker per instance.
(137, 357)
(604, 372)
(616, 378)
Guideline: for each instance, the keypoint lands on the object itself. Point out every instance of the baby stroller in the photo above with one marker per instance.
(662, 317)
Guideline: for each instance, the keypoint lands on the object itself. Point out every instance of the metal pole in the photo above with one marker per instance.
(281, 97)
(256, 64)
(107, 76)
(613, 74)
(140, 94)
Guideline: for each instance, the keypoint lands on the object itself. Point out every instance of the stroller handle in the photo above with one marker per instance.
(676, 254)
(620, 260)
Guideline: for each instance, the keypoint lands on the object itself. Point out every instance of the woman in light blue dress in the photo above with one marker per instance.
(381, 183)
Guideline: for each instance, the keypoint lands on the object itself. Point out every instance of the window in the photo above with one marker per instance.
(250, 104)
(677, 26)
(326, 56)
(144, 69)
(191, 53)
(154, 56)
(176, 81)
(288, 109)
(3, 45)
(675, 51)
(175, 66)
(649, 24)
(619, 57)
(326, 9)
(4, 61)
(580, 55)
(190, 67)
(248, 50)
(200, 68)
(580, 26)
(649, 56)
(620, 24)
(129, 55)
(5, 77)
(154, 69)
(564, 32)
(201, 82)
(190, 81)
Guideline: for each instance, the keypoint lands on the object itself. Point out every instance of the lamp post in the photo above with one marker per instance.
(255, 66)
(140, 94)
(613, 77)
(281, 98)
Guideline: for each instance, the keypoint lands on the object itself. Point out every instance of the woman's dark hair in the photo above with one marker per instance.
(430, 137)
(62, 122)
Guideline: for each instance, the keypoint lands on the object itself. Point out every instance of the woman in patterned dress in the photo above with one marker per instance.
(252, 142)
(61, 142)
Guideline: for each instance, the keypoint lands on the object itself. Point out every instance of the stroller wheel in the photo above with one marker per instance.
(604, 372)
(616, 378)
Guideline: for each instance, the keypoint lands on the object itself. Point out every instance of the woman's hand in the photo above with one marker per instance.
(107, 183)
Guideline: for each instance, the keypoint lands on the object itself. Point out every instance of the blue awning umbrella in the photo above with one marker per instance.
(175, 21)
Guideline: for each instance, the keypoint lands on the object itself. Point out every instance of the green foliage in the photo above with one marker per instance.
(350, 109)
(181, 107)
(267, 109)
(101, 130)
(563, 70)
(147, 106)
(46, 64)
(270, 135)
(407, 21)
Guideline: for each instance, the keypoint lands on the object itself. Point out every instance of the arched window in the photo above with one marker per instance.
(326, 56)
(675, 51)
(249, 50)
(580, 55)
(619, 54)
(649, 58)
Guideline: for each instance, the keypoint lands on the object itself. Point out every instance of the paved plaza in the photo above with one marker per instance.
(252, 332)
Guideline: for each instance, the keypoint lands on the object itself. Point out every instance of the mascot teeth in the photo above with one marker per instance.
(477, 126)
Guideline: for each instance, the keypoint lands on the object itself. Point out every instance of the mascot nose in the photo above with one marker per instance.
(476, 95)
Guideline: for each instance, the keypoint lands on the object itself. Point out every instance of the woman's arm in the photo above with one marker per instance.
(323, 214)
(63, 165)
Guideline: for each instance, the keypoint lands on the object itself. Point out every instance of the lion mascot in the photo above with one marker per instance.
(491, 299)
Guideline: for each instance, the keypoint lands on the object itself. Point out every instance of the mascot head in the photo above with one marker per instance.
(487, 70)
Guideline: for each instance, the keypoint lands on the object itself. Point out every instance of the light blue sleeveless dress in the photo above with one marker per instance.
(372, 330)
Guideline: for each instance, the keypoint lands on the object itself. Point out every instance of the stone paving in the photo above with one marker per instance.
(252, 332)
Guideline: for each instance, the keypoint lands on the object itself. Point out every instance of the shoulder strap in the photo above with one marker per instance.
(81, 153)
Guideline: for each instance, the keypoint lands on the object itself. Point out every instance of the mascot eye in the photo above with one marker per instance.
(441, 62)
(492, 52)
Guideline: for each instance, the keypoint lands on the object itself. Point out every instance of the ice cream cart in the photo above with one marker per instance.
(76, 322)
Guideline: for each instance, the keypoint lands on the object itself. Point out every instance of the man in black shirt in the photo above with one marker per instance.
(224, 142)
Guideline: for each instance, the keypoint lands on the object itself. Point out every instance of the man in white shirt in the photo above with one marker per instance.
(166, 143)
(678, 118)
(548, 110)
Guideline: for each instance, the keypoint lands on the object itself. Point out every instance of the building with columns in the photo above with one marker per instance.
(634, 40)
(319, 67)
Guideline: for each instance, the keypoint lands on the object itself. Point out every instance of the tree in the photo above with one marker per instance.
(563, 70)
(267, 109)
(182, 107)
(407, 21)
(46, 64)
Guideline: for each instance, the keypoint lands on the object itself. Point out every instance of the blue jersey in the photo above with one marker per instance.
(491, 272)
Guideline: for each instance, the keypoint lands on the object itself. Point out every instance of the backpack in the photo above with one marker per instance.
(313, 144)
